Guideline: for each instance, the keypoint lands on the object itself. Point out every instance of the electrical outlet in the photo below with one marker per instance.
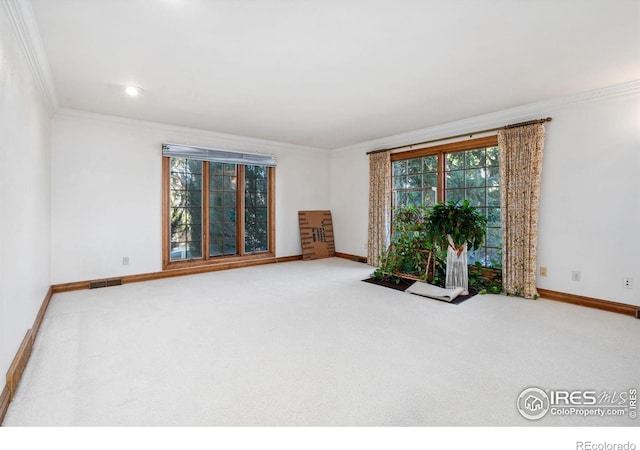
(627, 283)
(575, 275)
(125, 260)
(543, 271)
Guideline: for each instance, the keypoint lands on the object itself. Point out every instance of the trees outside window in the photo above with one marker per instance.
(215, 211)
(454, 172)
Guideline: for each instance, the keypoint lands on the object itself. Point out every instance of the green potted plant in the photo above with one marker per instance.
(459, 227)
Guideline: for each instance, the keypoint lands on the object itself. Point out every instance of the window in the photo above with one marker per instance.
(216, 211)
(454, 172)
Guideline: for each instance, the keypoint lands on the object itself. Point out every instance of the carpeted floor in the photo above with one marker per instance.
(308, 343)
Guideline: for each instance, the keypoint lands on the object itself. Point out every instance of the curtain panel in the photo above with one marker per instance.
(379, 205)
(520, 172)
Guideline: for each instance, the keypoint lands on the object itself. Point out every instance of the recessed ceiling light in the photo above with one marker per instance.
(132, 90)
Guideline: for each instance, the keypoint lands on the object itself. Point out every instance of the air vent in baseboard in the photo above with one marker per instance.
(105, 283)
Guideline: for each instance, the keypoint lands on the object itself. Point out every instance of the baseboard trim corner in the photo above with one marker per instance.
(20, 360)
(605, 305)
(43, 309)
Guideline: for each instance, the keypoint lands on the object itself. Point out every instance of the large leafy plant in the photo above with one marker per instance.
(460, 222)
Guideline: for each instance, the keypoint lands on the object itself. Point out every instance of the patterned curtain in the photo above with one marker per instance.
(379, 205)
(520, 171)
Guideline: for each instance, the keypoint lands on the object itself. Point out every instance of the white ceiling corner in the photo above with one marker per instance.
(497, 119)
(25, 29)
(189, 136)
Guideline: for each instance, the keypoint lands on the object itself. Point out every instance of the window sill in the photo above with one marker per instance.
(220, 262)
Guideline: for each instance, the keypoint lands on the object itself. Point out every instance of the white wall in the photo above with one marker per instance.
(24, 196)
(589, 207)
(107, 192)
(350, 200)
(589, 199)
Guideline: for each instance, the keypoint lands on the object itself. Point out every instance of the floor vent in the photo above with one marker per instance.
(105, 283)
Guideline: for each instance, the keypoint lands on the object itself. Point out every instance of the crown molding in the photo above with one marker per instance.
(189, 136)
(495, 119)
(25, 29)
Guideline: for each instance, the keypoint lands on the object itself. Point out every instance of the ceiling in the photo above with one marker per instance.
(331, 73)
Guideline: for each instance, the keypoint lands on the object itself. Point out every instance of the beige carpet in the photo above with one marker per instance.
(308, 343)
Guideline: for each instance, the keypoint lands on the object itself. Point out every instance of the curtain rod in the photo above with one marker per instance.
(506, 127)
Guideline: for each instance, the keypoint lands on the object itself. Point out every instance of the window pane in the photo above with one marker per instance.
(399, 168)
(475, 158)
(176, 181)
(215, 247)
(475, 177)
(229, 247)
(250, 184)
(178, 198)
(400, 199)
(455, 179)
(223, 178)
(194, 249)
(455, 161)
(430, 180)
(493, 196)
(494, 237)
(477, 197)
(494, 257)
(493, 176)
(399, 182)
(261, 185)
(194, 198)
(454, 195)
(429, 198)
(195, 215)
(414, 198)
(185, 197)
(414, 181)
(229, 183)
(492, 156)
(430, 163)
(215, 231)
(478, 255)
(256, 215)
(259, 171)
(493, 217)
(230, 170)
(414, 166)
(229, 198)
